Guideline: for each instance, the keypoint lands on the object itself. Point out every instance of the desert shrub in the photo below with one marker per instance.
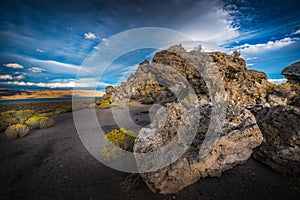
(39, 122)
(118, 105)
(16, 131)
(46, 122)
(106, 103)
(116, 139)
(11, 117)
(68, 109)
(165, 101)
(149, 100)
(23, 115)
(33, 122)
(131, 105)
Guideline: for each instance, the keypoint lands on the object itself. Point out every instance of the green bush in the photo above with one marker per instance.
(18, 123)
(46, 122)
(39, 122)
(116, 139)
(106, 103)
(149, 100)
(15, 117)
(16, 131)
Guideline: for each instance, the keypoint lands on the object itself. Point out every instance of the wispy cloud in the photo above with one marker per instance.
(6, 77)
(14, 65)
(105, 41)
(40, 50)
(90, 36)
(67, 83)
(53, 62)
(270, 45)
(214, 25)
(35, 69)
(10, 77)
(278, 81)
(296, 32)
(20, 77)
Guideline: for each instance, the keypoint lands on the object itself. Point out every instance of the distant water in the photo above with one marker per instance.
(37, 100)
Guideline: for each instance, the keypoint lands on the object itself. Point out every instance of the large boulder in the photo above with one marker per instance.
(243, 86)
(292, 73)
(202, 158)
(280, 126)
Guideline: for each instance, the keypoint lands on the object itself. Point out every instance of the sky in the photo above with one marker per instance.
(43, 43)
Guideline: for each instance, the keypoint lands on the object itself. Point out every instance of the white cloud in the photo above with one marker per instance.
(296, 32)
(277, 81)
(270, 45)
(53, 62)
(20, 77)
(250, 58)
(40, 50)
(14, 65)
(68, 83)
(35, 69)
(6, 77)
(212, 26)
(89, 36)
(105, 41)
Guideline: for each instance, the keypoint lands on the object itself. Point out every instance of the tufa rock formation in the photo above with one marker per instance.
(234, 145)
(177, 79)
(243, 86)
(292, 73)
(280, 126)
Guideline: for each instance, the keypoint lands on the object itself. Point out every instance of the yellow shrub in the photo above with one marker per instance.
(106, 103)
(16, 131)
(14, 117)
(46, 122)
(39, 122)
(116, 139)
(149, 100)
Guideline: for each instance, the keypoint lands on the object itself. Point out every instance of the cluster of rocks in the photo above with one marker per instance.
(279, 121)
(292, 73)
(257, 117)
(106, 100)
(243, 86)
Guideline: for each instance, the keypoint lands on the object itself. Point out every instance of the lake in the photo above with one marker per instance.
(43, 100)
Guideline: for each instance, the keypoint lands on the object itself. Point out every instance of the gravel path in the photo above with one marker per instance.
(53, 164)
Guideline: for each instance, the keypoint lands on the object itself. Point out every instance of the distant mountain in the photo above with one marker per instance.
(19, 94)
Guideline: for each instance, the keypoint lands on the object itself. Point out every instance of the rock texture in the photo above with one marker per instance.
(280, 126)
(242, 85)
(279, 121)
(176, 81)
(239, 136)
(292, 73)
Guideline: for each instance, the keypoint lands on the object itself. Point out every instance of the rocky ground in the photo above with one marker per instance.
(53, 164)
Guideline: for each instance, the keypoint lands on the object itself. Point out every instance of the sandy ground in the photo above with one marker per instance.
(53, 164)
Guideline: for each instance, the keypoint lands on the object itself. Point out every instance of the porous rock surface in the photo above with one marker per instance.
(280, 126)
(292, 73)
(239, 135)
(214, 76)
(243, 86)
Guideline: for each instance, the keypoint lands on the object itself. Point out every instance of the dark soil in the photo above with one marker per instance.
(53, 164)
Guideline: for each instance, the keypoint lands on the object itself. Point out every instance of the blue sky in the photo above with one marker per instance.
(43, 43)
